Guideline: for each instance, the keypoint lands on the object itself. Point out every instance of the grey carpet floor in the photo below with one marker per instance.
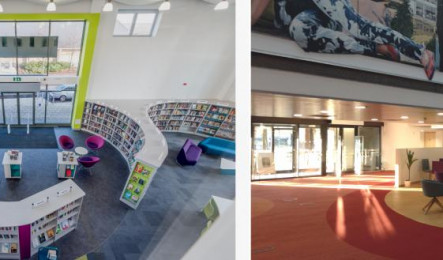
(168, 220)
(165, 225)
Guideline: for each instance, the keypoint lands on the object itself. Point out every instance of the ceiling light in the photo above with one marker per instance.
(108, 7)
(421, 122)
(404, 117)
(437, 126)
(440, 114)
(325, 112)
(1, 8)
(298, 115)
(165, 6)
(374, 119)
(222, 5)
(360, 107)
(51, 6)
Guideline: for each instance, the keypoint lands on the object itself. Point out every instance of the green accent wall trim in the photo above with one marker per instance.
(90, 34)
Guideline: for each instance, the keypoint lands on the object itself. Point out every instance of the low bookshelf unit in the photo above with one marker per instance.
(39, 220)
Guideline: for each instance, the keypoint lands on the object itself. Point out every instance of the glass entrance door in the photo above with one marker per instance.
(26, 108)
(348, 148)
(309, 150)
(18, 108)
(283, 149)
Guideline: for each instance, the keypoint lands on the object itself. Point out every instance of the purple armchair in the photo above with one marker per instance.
(189, 154)
(88, 161)
(66, 142)
(95, 142)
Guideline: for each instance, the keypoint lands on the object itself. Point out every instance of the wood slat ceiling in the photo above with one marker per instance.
(277, 105)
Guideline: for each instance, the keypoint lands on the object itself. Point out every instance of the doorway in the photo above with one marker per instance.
(17, 108)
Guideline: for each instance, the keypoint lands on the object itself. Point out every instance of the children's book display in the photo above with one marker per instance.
(137, 184)
(201, 118)
(116, 127)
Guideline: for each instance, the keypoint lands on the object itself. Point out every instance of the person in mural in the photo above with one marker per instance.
(334, 26)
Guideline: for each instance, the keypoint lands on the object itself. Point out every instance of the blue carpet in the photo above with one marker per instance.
(37, 138)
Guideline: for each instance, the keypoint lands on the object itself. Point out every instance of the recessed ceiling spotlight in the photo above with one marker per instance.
(421, 122)
(325, 112)
(360, 107)
(51, 6)
(108, 7)
(222, 5)
(404, 117)
(440, 114)
(165, 6)
(297, 115)
(374, 119)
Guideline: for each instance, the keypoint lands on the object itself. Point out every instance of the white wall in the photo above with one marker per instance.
(194, 45)
(396, 136)
(432, 154)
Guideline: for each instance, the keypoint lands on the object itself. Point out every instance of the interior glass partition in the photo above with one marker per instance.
(371, 148)
(348, 149)
(262, 152)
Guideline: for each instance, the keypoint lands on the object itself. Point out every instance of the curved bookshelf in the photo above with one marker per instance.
(201, 117)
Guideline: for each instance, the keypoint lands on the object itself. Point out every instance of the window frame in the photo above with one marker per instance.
(136, 12)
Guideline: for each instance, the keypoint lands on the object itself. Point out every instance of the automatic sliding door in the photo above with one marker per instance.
(348, 149)
(26, 108)
(283, 149)
(309, 150)
(10, 107)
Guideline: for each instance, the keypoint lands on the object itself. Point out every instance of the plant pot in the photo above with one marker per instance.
(407, 183)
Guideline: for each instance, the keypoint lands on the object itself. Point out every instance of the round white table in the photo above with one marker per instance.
(81, 150)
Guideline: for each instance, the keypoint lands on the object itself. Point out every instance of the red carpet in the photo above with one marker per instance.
(363, 220)
(290, 221)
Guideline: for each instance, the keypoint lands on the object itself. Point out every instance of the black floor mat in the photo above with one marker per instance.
(37, 138)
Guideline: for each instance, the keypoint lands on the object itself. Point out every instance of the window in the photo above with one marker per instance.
(136, 23)
(41, 47)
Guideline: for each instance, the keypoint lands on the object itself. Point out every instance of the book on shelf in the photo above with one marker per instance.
(14, 248)
(5, 248)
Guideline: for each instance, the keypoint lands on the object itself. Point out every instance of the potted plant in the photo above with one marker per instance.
(410, 161)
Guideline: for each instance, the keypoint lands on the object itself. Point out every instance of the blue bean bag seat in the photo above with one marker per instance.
(217, 146)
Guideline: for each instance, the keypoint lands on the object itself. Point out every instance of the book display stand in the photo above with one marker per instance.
(12, 163)
(66, 164)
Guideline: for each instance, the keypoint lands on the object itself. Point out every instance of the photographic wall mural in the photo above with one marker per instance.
(396, 37)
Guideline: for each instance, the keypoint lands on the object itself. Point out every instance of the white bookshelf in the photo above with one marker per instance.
(201, 117)
(39, 216)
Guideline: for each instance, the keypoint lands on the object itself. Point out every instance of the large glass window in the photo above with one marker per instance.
(65, 51)
(40, 47)
(32, 48)
(8, 52)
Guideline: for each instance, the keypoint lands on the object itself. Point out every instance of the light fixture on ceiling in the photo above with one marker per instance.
(222, 5)
(51, 6)
(326, 112)
(297, 115)
(374, 119)
(108, 7)
(421, 122)
(1, 8)
(360, 107)
(404, 117)
(165, 6)
(437, 126)
(440, 114)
